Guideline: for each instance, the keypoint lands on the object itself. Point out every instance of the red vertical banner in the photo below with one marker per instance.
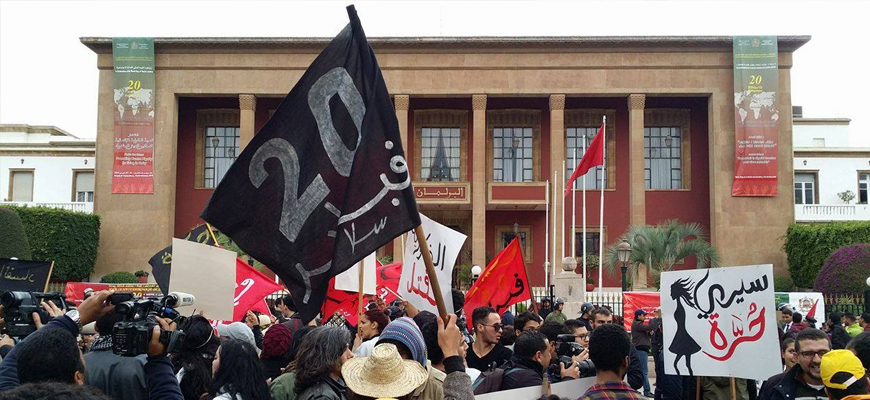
(133, 96)
(633, 301)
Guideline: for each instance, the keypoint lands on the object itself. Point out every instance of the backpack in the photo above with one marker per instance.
(490, 381)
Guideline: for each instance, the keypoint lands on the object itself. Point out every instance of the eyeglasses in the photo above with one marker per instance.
(582, 336)
(496, 327)
(813, 354)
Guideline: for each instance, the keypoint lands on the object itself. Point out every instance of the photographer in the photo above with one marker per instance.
(609, 349)
(557, 371)
(120, 377)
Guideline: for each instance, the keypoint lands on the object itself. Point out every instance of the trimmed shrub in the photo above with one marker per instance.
(119, 277)
(68, 238)
(13, 240)
(807, 246)
(783, 284)
(845, 271)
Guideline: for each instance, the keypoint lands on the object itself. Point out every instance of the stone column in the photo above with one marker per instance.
(479, 183)
(557, 156)
(247, 109)
(401, 104)
(637, 183)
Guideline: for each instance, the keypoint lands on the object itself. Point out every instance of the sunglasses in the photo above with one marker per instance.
(496, 327)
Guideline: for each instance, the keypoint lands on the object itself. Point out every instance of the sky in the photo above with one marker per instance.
(47, 77)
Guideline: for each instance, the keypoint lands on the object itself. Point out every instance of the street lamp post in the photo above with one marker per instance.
(867, 297)
(623, 253)
(475, 273)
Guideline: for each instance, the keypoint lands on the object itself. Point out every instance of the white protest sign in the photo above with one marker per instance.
(809, 304)
(720, 322)
(444, 245)
(349, 279)
(570, 389)
(208, 273)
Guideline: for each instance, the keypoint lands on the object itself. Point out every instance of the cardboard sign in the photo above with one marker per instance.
(207, 272)
(720, 322)
(349, 280)
(24, 276)
(444, 245)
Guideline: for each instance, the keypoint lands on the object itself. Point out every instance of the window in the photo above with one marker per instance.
(804, 188)
(21, 186)
(512, 155)
(818, 142)
(593, 243)
(440, 158)
(221, 149)
(663, 161)
(505, 234)
(574, 141)
(83, 186)
(863, 185)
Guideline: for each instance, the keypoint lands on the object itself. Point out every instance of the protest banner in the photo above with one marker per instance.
(75, 291)
(720, 322)
(345, 304)
(570, 389)
(632, 301)
(349, 279)
(502, 284)
(134, 95)
(161, 263)
(808, 304)
(444, 246)
(388, 280)
(251, 288)
(208, 273)
(325, 182)
(24, 276)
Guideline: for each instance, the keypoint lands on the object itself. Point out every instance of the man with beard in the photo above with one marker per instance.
(804, 380)
(486, 351)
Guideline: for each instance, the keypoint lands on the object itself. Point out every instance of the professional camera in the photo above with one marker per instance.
(20, 307)
(131, 336)
(567, 348)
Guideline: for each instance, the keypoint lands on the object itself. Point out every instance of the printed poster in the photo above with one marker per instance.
(134, 89)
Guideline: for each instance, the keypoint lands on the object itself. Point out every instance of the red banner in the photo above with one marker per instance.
(75, 291)
(633, 301)
(502, 284)
(346, 303)
(251, 288)
(388, 278)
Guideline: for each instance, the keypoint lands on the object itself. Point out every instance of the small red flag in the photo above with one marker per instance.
(341, 301)
(502, 284)
(593, 157)
(388, 277)
(251, 288)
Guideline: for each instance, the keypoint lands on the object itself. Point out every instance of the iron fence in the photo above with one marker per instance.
(845, 303)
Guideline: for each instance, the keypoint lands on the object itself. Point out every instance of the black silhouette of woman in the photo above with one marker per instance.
(683, 344)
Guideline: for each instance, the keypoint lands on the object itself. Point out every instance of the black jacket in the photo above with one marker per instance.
(635, 373)
(326, 389)
(641, 335)
(781, 386)
(520, 373)
(839, 337)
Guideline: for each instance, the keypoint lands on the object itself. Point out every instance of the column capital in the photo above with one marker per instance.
(636, 101)
(557, 102)
(478, 102)
(401, 101)
(247, 102)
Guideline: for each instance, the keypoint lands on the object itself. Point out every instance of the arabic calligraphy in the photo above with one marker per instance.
(7, 272)
(737, 332)
(447, 193)
(415, 285)
(438, 256)
(518, 284)
(736, 296)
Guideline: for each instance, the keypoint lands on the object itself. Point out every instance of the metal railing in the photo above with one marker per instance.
(85, 207)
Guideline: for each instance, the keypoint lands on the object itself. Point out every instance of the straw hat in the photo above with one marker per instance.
(383, 374)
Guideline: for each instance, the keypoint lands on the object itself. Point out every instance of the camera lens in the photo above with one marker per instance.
(13, 299)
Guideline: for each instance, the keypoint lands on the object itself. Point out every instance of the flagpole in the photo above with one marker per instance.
(430, 271)
(601, 209)
(211, 232)
(563, 212)
(584, 212)
(574, 212)
(362, 268)
(547, 242)
(555, 199)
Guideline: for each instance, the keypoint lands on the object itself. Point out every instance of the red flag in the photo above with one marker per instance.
(502, 284)
(251, 288)
(388, 277)
(341, 301)
(593, 157)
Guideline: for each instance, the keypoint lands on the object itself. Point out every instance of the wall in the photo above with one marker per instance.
(52, 176)
(835, 135)
(834, 175)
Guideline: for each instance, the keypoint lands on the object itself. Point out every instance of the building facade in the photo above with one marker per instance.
(486, 122)
(46, 166)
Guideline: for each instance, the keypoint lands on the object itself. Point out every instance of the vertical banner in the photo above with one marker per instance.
(444, 245)
(133, 167)
(756, 116)
(720, 322)
(633, 301)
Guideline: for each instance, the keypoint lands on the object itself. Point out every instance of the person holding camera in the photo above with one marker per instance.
(565, 353)
(526, 366)
(609, 350)
(119, 377)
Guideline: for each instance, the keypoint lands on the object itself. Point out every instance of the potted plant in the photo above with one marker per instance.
(142, 275)
(591, 263)
(590, 284)
(847, 196)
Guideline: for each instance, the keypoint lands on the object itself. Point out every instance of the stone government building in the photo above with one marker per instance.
(485, 122)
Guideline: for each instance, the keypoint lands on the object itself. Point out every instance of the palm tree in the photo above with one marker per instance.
(659, 247)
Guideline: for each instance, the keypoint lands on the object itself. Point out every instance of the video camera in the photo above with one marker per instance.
(132, 336)
(567, 348)
(20, 307)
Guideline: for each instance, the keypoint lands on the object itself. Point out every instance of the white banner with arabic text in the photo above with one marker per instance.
(444, 245)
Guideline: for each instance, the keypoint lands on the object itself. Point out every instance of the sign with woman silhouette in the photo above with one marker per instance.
(720, 322)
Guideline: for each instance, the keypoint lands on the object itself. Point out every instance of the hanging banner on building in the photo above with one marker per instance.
(444, 245)
(808, 304)
(75, 291)
(723, 322)
(756, 116)
(24, 276)
(633, 301)
(133, 167)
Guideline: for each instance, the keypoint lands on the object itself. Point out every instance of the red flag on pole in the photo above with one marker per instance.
(593, 157)
(502, 284)
(251, 288)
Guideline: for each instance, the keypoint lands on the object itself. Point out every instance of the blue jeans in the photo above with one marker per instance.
(644, 366)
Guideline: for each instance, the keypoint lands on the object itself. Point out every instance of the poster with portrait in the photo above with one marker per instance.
(720, 322)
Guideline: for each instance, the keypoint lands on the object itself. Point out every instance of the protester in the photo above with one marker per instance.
(546, 307)
(287, 307)
(526, 366)
(641, 335)
(508, 336)
(276, 350)
(719, 388)
(797, 324)
(556, 315)
(119, 377)
(371, 323)
(318, 364)
(238, 331)
(839, 337)
(54, 391)
(603, 316)
(852, 327)
(527, 321)
(408, 339)
(486, 352)
(383, 374)
(580, 332)
(804, 380)
(556, 371)
(586, 315)
(192, 362)
(860, 345)
(238, 374)
(609, 350)
(283, 387)
(507, 317)
(785, 317)
(789, 355)
(462, 321)
(844, 376)
(864, 321)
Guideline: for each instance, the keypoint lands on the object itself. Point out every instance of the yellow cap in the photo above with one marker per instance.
(837, 361)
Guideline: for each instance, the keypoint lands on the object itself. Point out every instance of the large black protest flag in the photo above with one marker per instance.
(325, 182)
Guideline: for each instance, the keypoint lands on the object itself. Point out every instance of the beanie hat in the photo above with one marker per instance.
(405, 331)
(240, 331)
(276, 342)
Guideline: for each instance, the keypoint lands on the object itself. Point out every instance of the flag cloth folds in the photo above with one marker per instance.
(502, 284)
(161, 263)
(593, 157)
(251, 288)
(325, 182)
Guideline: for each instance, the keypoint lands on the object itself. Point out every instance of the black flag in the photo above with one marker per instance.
(325, 182)
(161, 263)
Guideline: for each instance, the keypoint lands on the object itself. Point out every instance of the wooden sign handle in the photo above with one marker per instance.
(430, 271)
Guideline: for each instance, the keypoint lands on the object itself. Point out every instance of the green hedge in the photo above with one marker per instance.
(68, 238)
(119, 277)
(808, 246)
(13, 240)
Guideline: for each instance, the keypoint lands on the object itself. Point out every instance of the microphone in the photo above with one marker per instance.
(179, 299)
